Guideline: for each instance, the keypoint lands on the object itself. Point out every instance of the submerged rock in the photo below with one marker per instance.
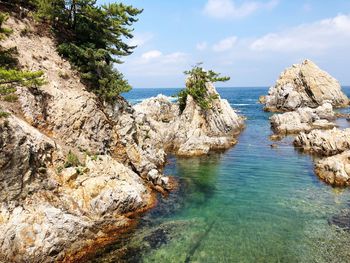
(303, 119)
(304, 85)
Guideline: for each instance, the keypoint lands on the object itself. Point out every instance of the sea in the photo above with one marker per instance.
(251, 203)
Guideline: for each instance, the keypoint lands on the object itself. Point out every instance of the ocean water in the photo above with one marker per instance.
(252, 203)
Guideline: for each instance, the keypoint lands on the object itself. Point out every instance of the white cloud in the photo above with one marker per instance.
(318, 36)
(202, 46)
(151, 55)
(140, 39)
(225, 44)
(229, 9)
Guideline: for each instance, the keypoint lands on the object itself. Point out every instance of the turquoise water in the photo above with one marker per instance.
(252, 203)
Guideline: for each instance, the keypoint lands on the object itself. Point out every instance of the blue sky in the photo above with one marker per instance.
(251, 41)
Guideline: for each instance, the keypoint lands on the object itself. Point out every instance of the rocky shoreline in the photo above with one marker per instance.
(73, 170)
(307, 95)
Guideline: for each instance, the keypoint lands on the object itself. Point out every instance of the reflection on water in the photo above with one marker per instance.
(252, 203)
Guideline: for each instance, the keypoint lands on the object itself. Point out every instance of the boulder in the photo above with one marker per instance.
(324, 143)
(304, 85)
(335, 170)
(303, 119)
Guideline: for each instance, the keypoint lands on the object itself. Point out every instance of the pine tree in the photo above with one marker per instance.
(196, 87)
(93, 39)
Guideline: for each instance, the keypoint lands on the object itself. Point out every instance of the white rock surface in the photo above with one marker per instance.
(303, 119)
(304, 85)
(335, 170)
(324, 143)
(194, 131)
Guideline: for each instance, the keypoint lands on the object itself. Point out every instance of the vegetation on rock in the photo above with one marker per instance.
(10, 74)
(196, 86)
(92, 38)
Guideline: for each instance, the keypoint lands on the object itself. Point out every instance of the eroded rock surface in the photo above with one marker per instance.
(304, 85)
(193, 131)
(335, 170)
(303, 119)
(324, 143)
(48, 209)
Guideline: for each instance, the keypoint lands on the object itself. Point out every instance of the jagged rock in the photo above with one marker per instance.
(335, 170)
(45, 212)
(194, 131)
(325, 143)
(303, 119)
(23, 151)
(304, 85)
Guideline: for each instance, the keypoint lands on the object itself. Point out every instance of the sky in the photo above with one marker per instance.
(252, 41)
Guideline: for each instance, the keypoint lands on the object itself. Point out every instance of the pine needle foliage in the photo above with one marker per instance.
(94, 39)
(196, 86)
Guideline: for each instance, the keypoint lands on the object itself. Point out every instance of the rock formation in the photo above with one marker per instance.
(333, 149)
(304, 85)
(303, 119)
(194, 131)
(324, 143)
(307, 94)
(73, 169)
(335, 170)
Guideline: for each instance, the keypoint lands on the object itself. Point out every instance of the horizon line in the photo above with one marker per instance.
(225, 87)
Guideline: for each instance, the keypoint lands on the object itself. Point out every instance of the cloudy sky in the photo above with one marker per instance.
(251, 41)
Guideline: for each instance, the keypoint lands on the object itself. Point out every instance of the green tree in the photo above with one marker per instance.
(196, 86)
(93, 38)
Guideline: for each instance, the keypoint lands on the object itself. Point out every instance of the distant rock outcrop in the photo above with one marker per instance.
(304, 85)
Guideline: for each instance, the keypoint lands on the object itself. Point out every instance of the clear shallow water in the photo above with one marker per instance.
(252, 203)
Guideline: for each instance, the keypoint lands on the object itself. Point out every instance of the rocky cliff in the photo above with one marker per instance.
(73, 169)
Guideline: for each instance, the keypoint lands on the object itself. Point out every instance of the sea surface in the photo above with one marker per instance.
(252, 203)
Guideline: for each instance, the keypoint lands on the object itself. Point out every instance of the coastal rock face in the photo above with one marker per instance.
(334, 148)
(48, 211)
(24, 155)
(194, 131)
(304, 85)
(52, 207)
(335, 170)
(324, 143)
(303, 119)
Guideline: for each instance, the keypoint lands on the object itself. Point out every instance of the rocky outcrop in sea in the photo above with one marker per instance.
(194, 131)
(307, 96)
(304, 85)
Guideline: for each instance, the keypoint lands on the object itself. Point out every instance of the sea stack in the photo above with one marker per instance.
(307, 95)
(194, 131)
(304, 85)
